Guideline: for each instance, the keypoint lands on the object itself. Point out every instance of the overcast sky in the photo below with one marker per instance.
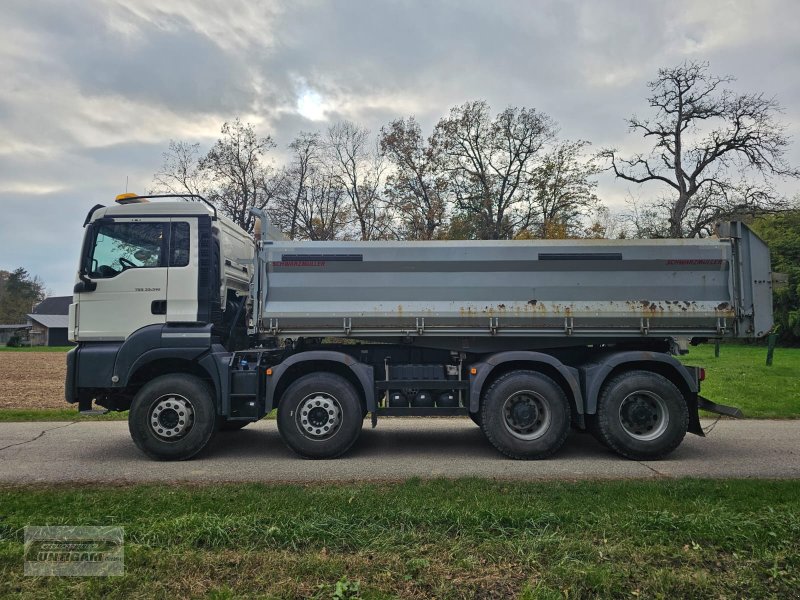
(92, 91)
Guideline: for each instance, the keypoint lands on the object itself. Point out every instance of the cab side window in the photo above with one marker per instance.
(179, 245)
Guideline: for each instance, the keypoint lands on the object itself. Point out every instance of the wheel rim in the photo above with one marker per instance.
(526, 415)
(319, 416)
(171, 417)
(644, 415)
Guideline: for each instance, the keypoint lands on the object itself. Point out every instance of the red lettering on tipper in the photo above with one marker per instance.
(299, 263)
(694, 261)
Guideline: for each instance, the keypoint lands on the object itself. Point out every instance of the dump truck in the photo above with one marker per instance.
(193, 326)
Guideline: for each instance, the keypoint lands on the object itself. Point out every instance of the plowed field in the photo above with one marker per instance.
(32, 380)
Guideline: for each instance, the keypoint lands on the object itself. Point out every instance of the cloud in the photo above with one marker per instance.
(93, 91)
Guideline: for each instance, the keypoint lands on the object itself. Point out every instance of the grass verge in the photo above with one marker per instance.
(740, 377)
(37, 349)
(443, 539)
(8, 415)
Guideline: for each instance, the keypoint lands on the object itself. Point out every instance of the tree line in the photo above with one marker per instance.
(477, 174)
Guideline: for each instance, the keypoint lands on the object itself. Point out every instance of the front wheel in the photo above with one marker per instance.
(172, 417)
(641, 415)
(320, 416)
(525, 415)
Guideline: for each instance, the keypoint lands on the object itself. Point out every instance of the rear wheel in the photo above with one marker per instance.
(525, 415)
(172, 417)
(641, 415)
(320, 416)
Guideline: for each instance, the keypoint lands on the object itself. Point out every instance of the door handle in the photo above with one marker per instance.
(158, 307)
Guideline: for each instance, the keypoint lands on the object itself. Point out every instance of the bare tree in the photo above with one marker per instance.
(291, 187)
(714, 150)
(324, 211)
(564, 190)
(180, 171)
(358, 167)
(646, 220)
(417, 186)
(240, 177)
(489, 163)
(606, 224)
(310, 202)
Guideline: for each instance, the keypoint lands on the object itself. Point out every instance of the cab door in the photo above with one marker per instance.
(183, 292)
(127, 262)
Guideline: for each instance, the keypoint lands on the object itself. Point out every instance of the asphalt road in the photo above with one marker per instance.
(397, 449)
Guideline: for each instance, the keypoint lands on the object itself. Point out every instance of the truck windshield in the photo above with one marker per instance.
(121, 246)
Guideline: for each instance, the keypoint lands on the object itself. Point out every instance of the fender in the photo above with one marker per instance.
(485, 368)
(362, 372)
(594, 375)
(155, 342)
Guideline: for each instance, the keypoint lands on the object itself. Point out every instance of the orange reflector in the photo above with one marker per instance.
(268, 371)
(473, 371)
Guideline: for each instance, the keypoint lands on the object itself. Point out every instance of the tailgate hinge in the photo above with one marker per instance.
(420, 325)
(273, 326)
(722, 325)
(644, 325)
(494, 323)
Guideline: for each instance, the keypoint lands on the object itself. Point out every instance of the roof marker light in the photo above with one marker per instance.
(129, 198)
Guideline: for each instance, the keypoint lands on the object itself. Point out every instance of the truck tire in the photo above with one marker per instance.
(641, 415)
(525, 415)
(172, 417)
(320, 416)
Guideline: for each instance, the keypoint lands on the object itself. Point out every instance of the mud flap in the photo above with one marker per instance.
(720, 409)
(706, 404)
(694, 416)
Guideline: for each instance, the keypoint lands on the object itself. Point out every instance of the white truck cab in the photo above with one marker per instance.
(149, 263)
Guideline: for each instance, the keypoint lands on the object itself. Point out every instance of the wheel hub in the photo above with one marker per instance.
(171, 417)
(644, 415)
(526, 415)
(319, 415)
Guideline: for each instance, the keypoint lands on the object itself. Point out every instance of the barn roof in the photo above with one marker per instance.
(54, 305)
(51, 321)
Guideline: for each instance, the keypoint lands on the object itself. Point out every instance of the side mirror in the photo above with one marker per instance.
(85, 284)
